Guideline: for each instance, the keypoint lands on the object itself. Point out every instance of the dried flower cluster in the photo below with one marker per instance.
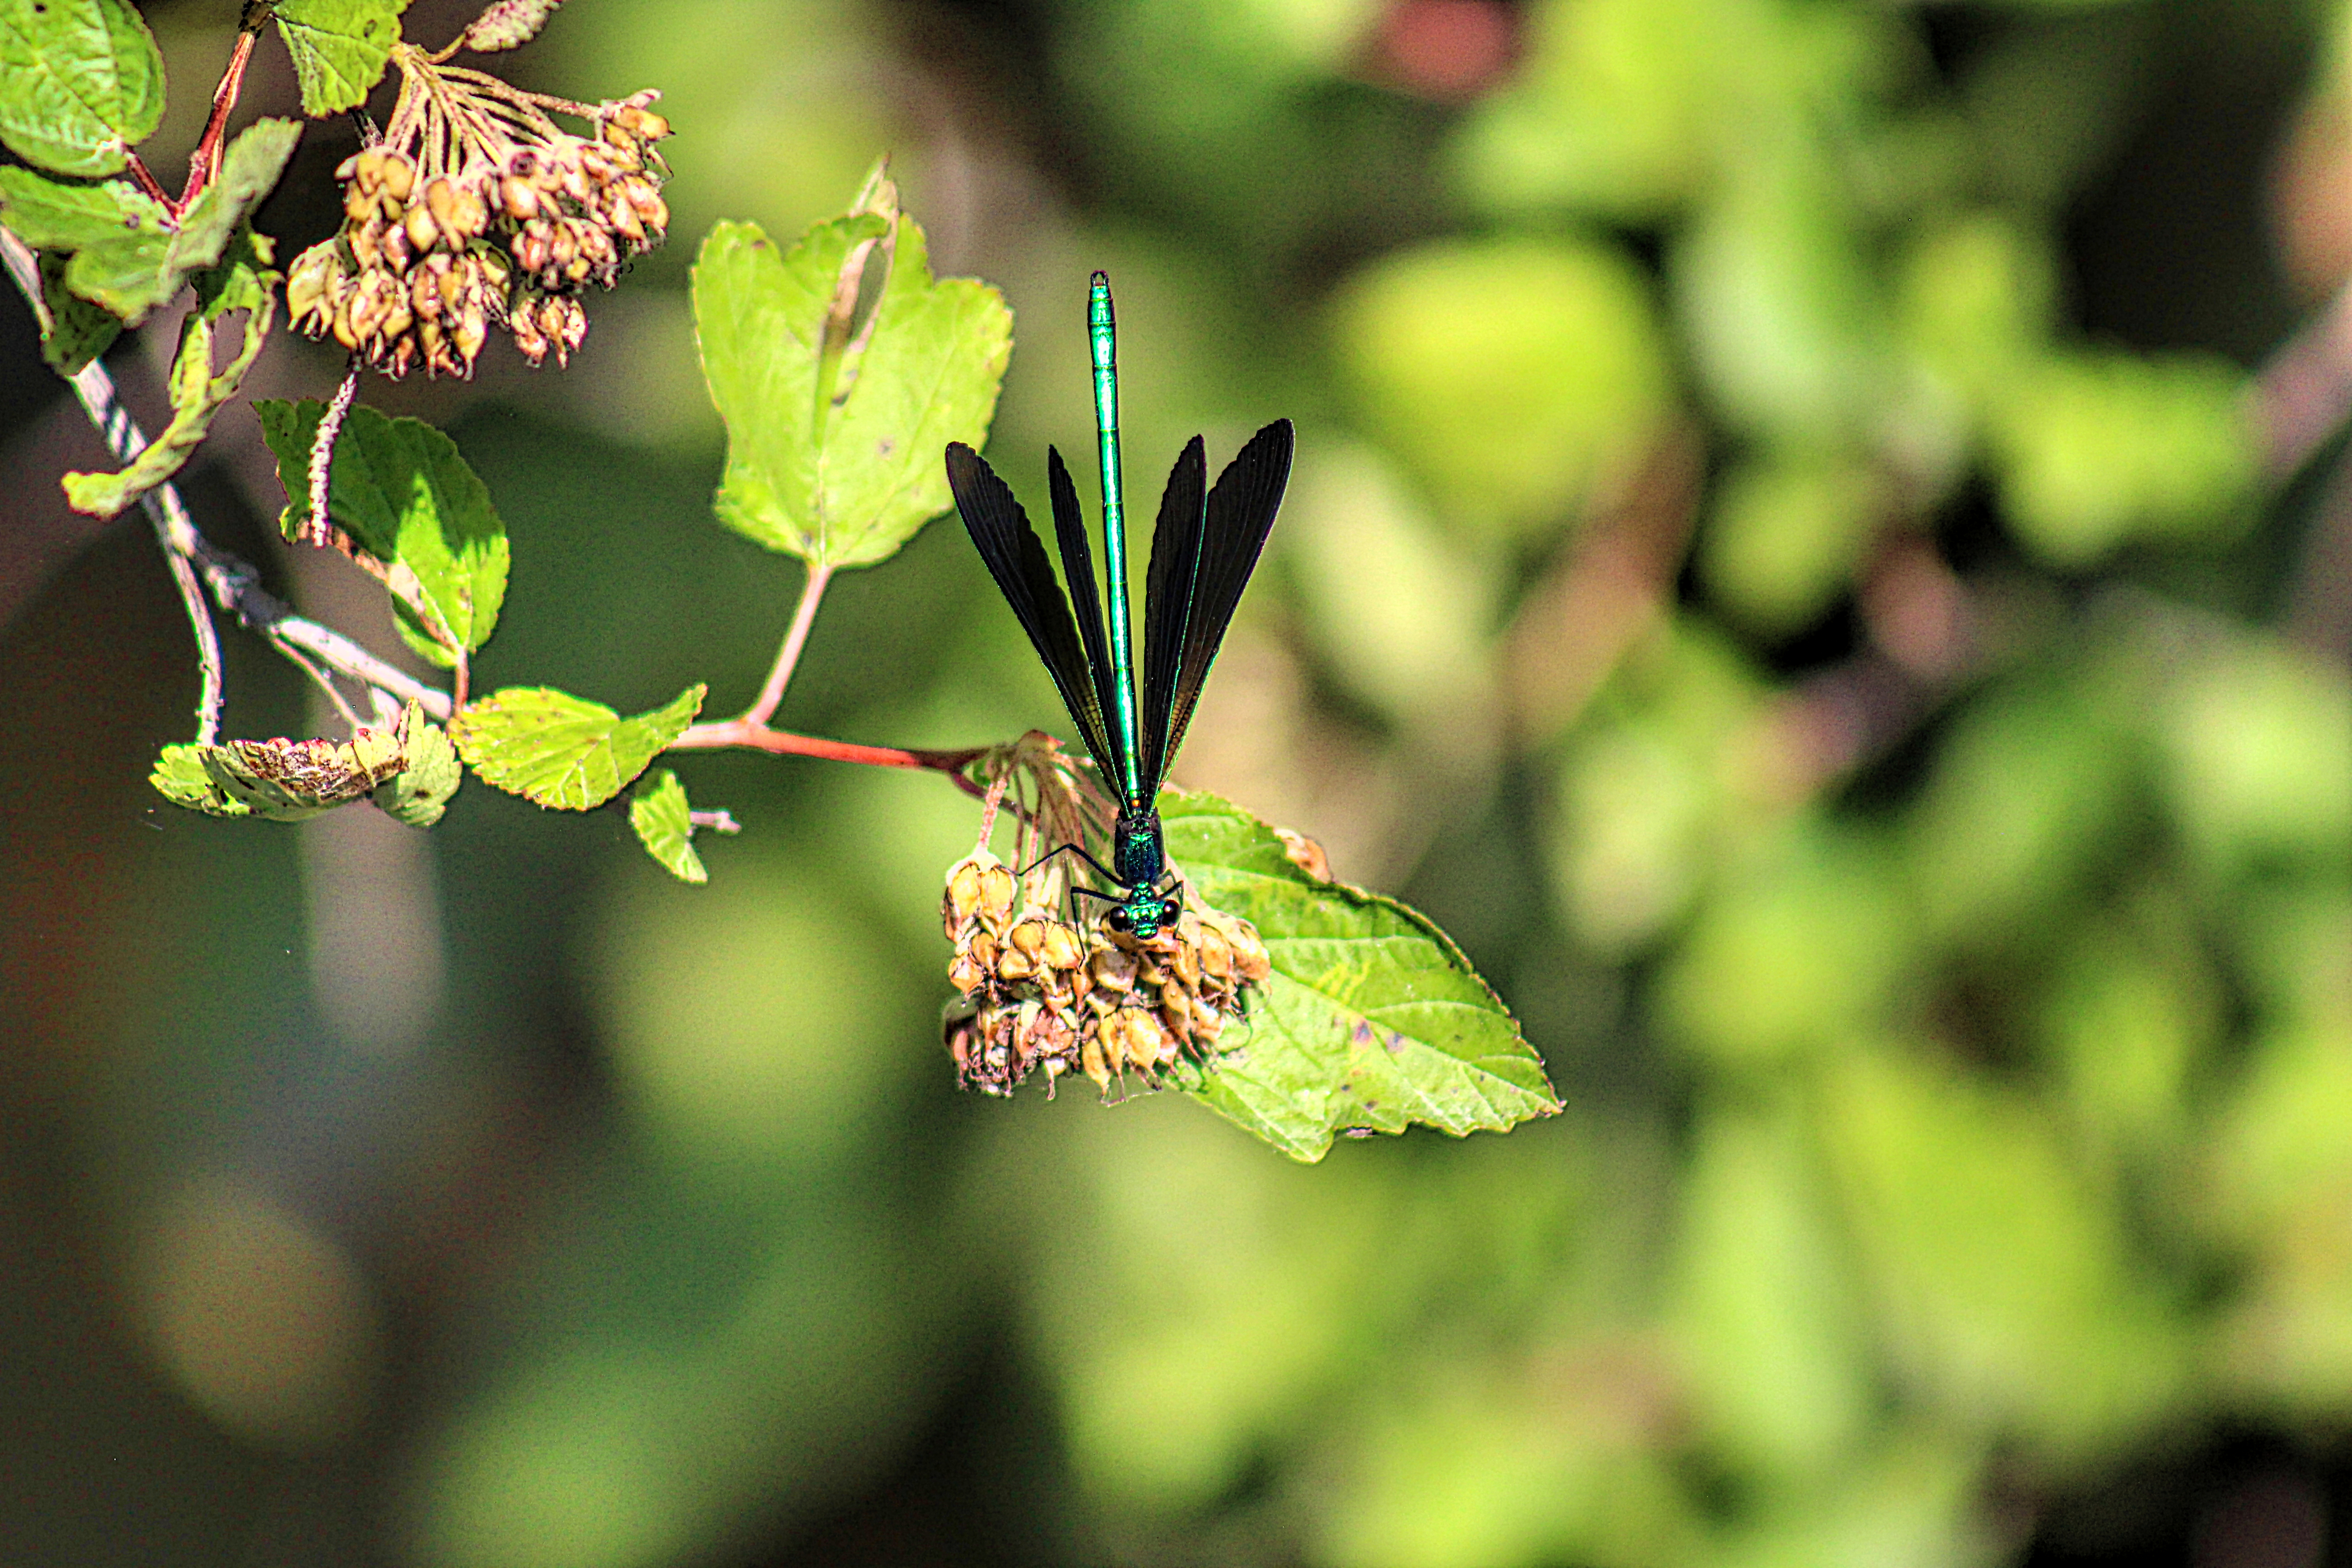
(1040, 992)
(475, 211)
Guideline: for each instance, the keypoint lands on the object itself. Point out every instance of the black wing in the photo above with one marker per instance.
(1167, 598)
(1240, 513)
(1017, 560)
(1078, 574)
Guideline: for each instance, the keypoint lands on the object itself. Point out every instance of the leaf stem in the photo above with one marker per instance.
(153, 186)
(204, 162)
(756, 736)
(772, 694)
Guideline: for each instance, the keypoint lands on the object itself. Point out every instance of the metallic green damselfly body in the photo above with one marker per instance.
(1204, 545)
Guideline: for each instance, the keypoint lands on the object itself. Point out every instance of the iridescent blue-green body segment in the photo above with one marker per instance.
(1204, 545)
(1102, 342)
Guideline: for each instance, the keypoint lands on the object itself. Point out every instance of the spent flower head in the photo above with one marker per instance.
(474, 211)
(1037, 991)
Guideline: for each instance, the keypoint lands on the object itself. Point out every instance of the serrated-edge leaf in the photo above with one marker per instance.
(792, 481)
(1391, 1060)
(81, 82)
(243, 281)
(396, 488)
(128, 257)
(341, 48)
(561, 751)
(73, 330)
(52, 214)
(181, 777)
(418, 795)
(661, 817)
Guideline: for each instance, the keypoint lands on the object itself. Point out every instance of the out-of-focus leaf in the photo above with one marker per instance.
(2258, 743)
(660, 816)
(1802, 948)
(1508, 374)
(127, 256)
(1649, 798)
(2006, 1291)
(1400, 611)
(1612, 111)
(1242, 1320)
(835, 435)
(341, 48)
(243, 281)
(2097, 449)
(2124, 1022)
(1977, 296)
(561, 750)
(1786, 535)
(2031, 791)
(73, 330)
(1916, 1499)
(403, 494)
(1371, 1020)
(1485, 1465)
(1785, 321)
(81, 82)
(1769, 1326)
(418, 795)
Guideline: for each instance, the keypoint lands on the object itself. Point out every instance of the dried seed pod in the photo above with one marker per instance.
(397, 175)
(424, 232)
(469, 333)
(308, 279)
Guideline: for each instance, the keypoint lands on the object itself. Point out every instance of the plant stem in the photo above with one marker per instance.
(204, 162)
(771, 695)
(753, 735)
(234, 586)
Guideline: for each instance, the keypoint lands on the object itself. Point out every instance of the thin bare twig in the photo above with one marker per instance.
(234, 586)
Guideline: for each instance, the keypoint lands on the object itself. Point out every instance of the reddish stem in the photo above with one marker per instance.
(204, 162)
(760, 737)
(151, 185)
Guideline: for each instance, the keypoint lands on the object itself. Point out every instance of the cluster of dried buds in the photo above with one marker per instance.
(429, 260)
(1038, 992)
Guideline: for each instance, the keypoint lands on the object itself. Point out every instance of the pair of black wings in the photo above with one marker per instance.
(1203, 548)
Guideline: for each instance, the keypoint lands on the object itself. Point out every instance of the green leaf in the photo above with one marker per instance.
(561, 751)
(1371, 1021)
(659, 814)
(832, 450)
(2098, 448)
(128, 255)
(341, 48)
(420, 792)
(285, 779)
(73, 330)
(1510, 374)
(68, 215)
(80, 83)
(242, 281)
(182, 778)
(403, 493)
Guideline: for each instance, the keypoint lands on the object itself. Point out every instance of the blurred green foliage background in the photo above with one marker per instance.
(1791, 563)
